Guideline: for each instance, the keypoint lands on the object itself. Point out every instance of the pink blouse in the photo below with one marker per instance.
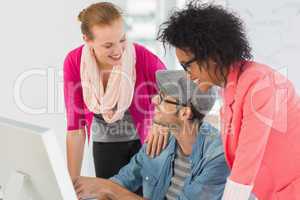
(141, 109)
(261, 134)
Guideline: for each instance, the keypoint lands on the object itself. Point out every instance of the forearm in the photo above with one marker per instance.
(75, 145)
(120, 192)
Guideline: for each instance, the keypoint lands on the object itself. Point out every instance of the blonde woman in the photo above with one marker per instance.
(108, 85)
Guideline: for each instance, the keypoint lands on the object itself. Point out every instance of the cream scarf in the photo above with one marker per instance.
(117, 98)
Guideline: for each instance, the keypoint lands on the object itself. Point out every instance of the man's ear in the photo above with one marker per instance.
(185, 113)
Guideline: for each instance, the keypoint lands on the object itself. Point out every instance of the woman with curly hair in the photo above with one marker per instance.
(261, 110)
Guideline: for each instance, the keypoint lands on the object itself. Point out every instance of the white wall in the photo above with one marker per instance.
(36, 34)
(35, 37)
(274, 29)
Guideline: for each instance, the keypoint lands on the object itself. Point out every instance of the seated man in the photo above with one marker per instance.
(192, 166)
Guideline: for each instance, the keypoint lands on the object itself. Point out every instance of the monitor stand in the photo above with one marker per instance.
(19, 187)
(16, 187)
(1, 193)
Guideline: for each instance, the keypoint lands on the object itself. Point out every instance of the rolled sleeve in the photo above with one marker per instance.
(73, 96)
(236, 191)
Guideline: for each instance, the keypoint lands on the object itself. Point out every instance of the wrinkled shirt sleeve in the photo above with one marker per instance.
(130, 175)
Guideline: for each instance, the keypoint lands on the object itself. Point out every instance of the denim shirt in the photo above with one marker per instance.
(208, 176)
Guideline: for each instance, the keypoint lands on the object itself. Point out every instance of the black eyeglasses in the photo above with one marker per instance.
(187, 64)
(162, 99)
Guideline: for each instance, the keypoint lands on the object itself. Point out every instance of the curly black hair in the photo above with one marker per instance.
(207, 31)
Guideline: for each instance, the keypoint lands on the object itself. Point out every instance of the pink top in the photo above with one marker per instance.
(78, 115)
(261, 131)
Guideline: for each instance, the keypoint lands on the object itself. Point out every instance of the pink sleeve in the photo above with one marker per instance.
(150, 64)
(153, 64)
(258, 111)
(73, 94)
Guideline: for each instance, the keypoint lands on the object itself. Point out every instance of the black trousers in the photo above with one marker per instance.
(110, 157)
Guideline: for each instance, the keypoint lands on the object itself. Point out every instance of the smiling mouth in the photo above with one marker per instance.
(116, 58)
(196, 81)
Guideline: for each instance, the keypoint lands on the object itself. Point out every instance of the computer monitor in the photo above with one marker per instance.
(31, 163)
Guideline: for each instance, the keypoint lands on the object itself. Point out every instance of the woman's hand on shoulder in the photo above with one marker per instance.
(157, 140)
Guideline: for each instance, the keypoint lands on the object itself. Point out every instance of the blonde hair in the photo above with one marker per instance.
(100, 14)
